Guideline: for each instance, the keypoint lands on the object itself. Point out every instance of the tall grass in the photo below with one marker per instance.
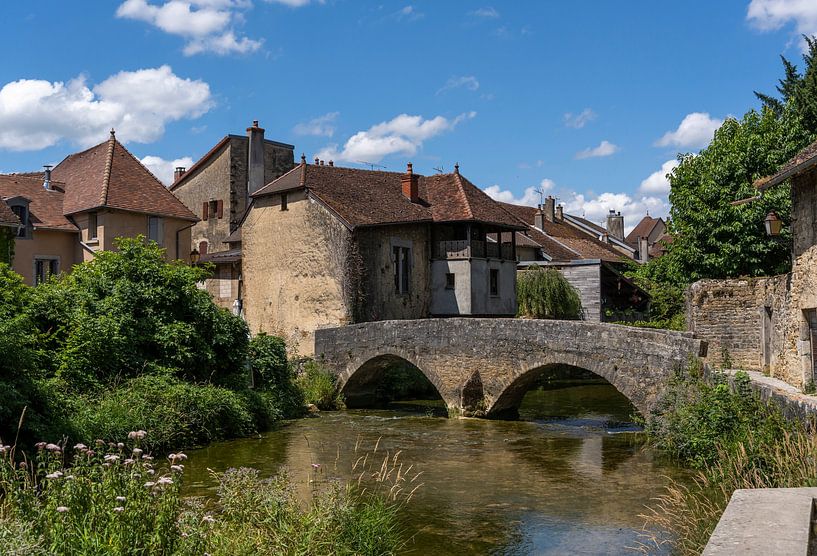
(115, 499)
(735, 442)
(318, 386)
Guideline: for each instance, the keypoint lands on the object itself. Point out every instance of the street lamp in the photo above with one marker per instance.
(194, 256)
(773, 224)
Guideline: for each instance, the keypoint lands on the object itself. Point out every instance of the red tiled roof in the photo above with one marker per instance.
(45, 207)
(369, 198)
(562, 241)
(802, 161)
(108, 175)
(642, 229)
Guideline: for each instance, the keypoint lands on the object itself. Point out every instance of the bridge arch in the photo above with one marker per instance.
(360, 375)
(509, 397)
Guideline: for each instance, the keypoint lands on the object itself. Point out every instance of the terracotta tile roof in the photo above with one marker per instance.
(7, 216)
(642, 229)
(523, 240)
(802, 161)
(45, 207)
(369, 198)
(564, 242)
(108, 175)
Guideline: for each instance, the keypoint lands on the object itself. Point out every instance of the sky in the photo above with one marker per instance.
(588, 101)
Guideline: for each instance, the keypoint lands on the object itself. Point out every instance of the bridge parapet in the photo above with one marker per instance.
(484, 366)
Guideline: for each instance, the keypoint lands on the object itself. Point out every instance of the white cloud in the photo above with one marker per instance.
(466, 81)
(322, 126)
(695, 131)
(769, 15)
(657, 182)
(596, 208)
(402, 135)
(293, 3)
(605, 148)
(35, 114)
(530, 197)
(207, 25)
(578, 121)
(486, 13)
(408, 13)
(164, 169)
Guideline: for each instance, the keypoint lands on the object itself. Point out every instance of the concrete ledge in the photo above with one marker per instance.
(794, 403)
(763, 522)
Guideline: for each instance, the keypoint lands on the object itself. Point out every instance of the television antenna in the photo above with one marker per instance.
(440, 170)
(371, 165)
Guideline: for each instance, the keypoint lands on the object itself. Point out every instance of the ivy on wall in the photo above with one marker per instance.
(7, 236)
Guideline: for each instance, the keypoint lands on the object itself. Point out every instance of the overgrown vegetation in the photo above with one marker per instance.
(114, 499)
(734, 441)
(318, 386)
(128, 341)
(546, 294)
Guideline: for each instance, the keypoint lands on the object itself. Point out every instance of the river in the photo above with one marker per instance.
(570, 477)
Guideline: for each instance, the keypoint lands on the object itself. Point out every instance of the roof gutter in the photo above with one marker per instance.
(783, 176)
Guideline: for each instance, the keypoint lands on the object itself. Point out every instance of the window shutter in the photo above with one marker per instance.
(219, 208)
(202, 247)
(204, 211)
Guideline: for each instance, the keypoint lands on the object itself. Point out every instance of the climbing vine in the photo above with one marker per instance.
(7, 236)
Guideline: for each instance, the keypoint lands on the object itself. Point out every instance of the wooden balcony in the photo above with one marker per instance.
(465, 249)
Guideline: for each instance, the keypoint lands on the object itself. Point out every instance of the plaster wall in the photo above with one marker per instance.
(456, 301)
(293, 263)
(44, 243)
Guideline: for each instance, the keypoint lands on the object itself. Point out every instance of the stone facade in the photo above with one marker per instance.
(485, 366)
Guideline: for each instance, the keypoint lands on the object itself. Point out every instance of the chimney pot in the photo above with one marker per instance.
(317, 161)
(47, 177)
(255, 123)
(331, 163)
(179, 172)
(560, 213)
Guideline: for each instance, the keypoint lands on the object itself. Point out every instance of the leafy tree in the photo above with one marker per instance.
(712, 237)
(546, 294)
(129, 312)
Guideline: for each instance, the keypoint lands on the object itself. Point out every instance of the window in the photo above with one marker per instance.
(449, 281)
(155, 229)
(284, 201)
(22, 213)
(494, 283)
(402, 268)
(92, 225)
(45, 267)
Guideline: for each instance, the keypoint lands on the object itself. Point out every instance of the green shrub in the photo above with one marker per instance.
(273, 376)
(676, 322)
(175, 413)
(546, 294)
(318, 386)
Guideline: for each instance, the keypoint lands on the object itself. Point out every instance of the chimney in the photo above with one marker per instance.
(550, 208)
(539, 218)
(179, 172)
(615, 225)
(560, 216)
(331, 163)
(410, 184)
(255, 158)
(47, 178)
(643, 250)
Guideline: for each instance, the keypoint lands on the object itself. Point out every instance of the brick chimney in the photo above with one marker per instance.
(255, 158)
(615, 225)
(179, 172)
(410, 183)
(550, 208)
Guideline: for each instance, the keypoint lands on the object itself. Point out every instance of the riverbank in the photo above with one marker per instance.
(735, 440)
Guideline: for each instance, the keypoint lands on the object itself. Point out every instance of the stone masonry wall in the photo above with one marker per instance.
(484, 366)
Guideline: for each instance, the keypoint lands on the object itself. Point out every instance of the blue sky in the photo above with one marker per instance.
(589, 99)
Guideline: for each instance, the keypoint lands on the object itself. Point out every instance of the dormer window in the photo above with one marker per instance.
(19, 206)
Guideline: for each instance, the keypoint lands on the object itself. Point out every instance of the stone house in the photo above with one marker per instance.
(769, 324)
(217, 188)
(588, 256)
(327, 246)
(87, 201)
(649, 238)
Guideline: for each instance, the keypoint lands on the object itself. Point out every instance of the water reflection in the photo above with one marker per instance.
(555, 482)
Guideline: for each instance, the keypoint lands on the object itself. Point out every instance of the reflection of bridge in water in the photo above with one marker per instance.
(484, 366)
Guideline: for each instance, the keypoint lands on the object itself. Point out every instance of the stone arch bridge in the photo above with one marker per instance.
(484, 366)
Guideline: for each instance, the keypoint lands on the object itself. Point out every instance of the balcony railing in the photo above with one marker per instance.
(464, 249)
